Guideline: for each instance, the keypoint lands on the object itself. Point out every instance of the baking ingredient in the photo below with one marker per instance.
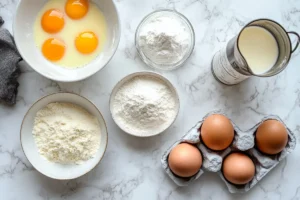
(53, 49)
(165, 39)
(238, 168)
(259, 48)
(52, 21)
(84, 35)
(185, 160)
(271, 137)
(86, 42)
(66, 133)
(144, 105)
(76, 9)
(217, 132)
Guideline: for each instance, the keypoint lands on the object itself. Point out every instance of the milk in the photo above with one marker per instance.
(262, 48)
(259, 48)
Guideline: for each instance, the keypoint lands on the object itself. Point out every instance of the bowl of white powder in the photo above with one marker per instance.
(144, 104)
(64, 136)
(165, 39)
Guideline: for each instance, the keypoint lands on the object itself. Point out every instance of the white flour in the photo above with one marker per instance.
(144, 106)
(165, 39)
(66, 133)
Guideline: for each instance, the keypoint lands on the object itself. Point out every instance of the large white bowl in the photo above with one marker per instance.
(26, 13)
(56, 170)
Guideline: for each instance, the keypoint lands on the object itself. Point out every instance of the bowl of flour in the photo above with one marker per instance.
(144, 104)
(165, 39)
(64, 136)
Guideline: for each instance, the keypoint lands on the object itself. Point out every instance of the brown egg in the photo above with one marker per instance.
(271, 137)
(238, 168)
(185, 160)
(217, 132)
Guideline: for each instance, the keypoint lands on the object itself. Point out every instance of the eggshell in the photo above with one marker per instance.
(271, 137)
(238, 168)
(185, 160)
(217, 132)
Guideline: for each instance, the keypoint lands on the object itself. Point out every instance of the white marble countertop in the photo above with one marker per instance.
(131, 167)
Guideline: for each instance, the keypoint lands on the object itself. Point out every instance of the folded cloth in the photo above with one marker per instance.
(9, 69)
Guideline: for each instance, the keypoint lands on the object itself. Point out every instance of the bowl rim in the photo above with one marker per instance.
(47, 96)
(144, 73)
(118, 38)
(148, 61)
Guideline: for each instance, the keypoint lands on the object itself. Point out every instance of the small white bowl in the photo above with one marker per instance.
(25, 17)
(56, 170)
(151, 74)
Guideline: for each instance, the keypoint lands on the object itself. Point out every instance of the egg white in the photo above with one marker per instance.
(93, 21)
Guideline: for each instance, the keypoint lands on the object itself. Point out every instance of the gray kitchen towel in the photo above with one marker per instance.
(9, 69)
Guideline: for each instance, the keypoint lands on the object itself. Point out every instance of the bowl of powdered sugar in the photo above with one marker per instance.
(63, 136)
(165, 39)
(144, 104)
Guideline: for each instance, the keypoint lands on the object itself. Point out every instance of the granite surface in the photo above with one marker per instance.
(131, 167)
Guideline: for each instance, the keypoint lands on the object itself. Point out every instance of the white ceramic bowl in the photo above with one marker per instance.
(151, 74)
(56, 170)
(26, 13)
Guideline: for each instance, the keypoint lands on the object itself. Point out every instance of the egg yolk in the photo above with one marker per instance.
(76, 9)
(86, 42)
(52, 21)
(53, 49)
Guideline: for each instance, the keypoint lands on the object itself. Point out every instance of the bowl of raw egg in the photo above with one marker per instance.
(67, 40)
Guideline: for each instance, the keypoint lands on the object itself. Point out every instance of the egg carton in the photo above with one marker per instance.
(244, 141)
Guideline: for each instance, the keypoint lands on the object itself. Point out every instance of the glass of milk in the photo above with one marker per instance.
(262, 48)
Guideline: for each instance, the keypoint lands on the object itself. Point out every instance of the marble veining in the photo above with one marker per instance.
(131, 166)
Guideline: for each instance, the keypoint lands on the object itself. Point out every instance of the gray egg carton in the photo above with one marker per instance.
(244, 141)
